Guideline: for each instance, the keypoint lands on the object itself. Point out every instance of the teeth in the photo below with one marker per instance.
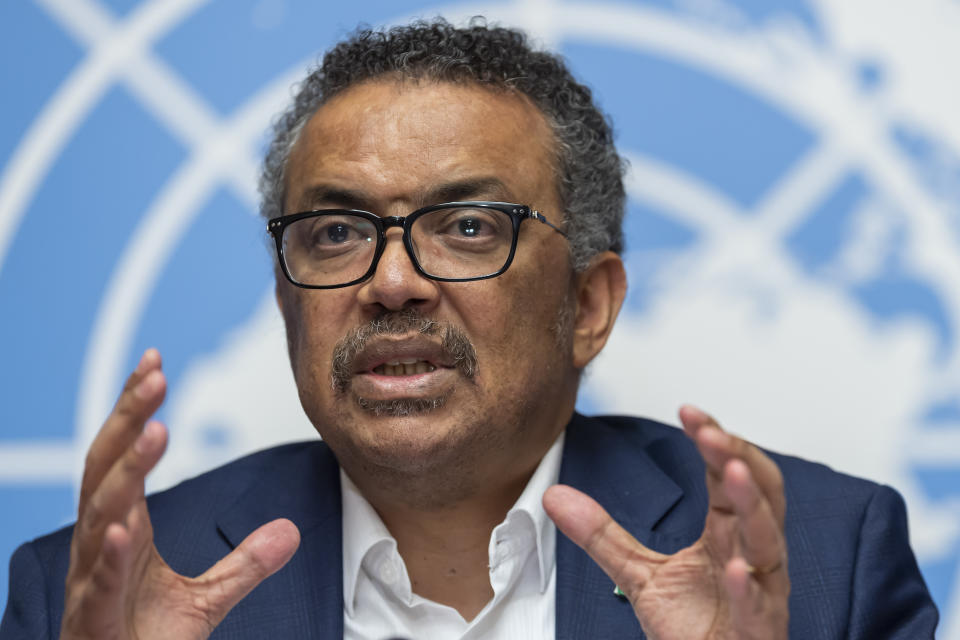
(404, 368)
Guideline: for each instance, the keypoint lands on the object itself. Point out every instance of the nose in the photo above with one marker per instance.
(396, 284)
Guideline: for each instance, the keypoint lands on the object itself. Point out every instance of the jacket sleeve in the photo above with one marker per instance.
(27, 612)
(889, 596)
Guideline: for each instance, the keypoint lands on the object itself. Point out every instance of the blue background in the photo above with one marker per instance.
(119, 158)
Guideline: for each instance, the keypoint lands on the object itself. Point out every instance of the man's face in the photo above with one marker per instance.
(391, 147)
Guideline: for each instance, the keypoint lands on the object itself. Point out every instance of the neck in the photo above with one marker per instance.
(446, 548)
(443, 511)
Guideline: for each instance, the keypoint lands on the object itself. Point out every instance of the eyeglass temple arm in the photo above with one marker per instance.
(539, 217)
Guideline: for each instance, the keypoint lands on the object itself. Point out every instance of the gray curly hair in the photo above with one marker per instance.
(590, 181)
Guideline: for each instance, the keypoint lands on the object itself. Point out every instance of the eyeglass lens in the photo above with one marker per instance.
(457, 243)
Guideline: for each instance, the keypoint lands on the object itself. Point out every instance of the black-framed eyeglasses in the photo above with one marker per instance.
(449, 242)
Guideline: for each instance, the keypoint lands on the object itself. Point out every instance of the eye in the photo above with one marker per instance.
(470, 227)
(337, 233)
(467, 224)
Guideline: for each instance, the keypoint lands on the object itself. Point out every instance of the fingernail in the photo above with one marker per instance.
(148, 386)
(146, 438)
(143, 362)
(714, 435)
(693, 411)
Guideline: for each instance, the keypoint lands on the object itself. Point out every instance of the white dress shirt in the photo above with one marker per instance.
(379, 603)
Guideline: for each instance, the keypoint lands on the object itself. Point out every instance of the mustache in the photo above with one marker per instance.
(454, 343)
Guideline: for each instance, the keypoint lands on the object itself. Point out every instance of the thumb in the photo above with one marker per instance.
(590, 527)
(260, 555)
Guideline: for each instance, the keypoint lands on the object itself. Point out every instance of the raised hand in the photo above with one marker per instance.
(732, 582)
(118, 586)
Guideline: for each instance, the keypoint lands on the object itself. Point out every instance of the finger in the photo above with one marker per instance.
(141, 396)
(109, 577)
(102, 598)
(259, 556)
(589, 526)
(753, 613)
(693, 419)
(762, 543)
(119, 492)
(718, 447)
(139, 525)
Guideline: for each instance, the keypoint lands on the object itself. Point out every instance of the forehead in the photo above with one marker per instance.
(398, 138)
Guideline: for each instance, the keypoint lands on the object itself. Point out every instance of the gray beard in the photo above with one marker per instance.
(454, 343)
(426, 486)
(401, 407)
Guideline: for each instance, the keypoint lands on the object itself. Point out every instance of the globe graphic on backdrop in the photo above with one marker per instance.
(793, 232)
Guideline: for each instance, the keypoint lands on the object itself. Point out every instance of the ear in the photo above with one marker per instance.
(600, 292)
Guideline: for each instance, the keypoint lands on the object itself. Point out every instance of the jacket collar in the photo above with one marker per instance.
(616, 461)
(619, 464)
(306, 491)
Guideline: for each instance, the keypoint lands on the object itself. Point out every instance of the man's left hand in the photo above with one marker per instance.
(732, 582)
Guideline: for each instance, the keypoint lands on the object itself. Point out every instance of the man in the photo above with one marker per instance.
(446, 207)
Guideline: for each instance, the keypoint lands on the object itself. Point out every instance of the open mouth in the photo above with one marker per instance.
(386, 367)
(418, 375)
(407, 367)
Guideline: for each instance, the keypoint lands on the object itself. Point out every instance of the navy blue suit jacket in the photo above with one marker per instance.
(852, 572)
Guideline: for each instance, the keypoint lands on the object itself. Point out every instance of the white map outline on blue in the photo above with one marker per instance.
(743, 45)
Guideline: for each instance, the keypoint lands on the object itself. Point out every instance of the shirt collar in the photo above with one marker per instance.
(529, 506)
(364, 530)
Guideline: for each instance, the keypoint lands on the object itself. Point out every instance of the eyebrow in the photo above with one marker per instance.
(480, 188)
(469, 189)
(326, 194)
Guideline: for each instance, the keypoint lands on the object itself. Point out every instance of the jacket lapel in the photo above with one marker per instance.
(309, 589)
(609, 460)
(611, 463)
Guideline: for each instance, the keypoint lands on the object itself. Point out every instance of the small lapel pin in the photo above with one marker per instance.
(617, 591)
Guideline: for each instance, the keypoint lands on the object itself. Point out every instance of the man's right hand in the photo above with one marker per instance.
(118, 586)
